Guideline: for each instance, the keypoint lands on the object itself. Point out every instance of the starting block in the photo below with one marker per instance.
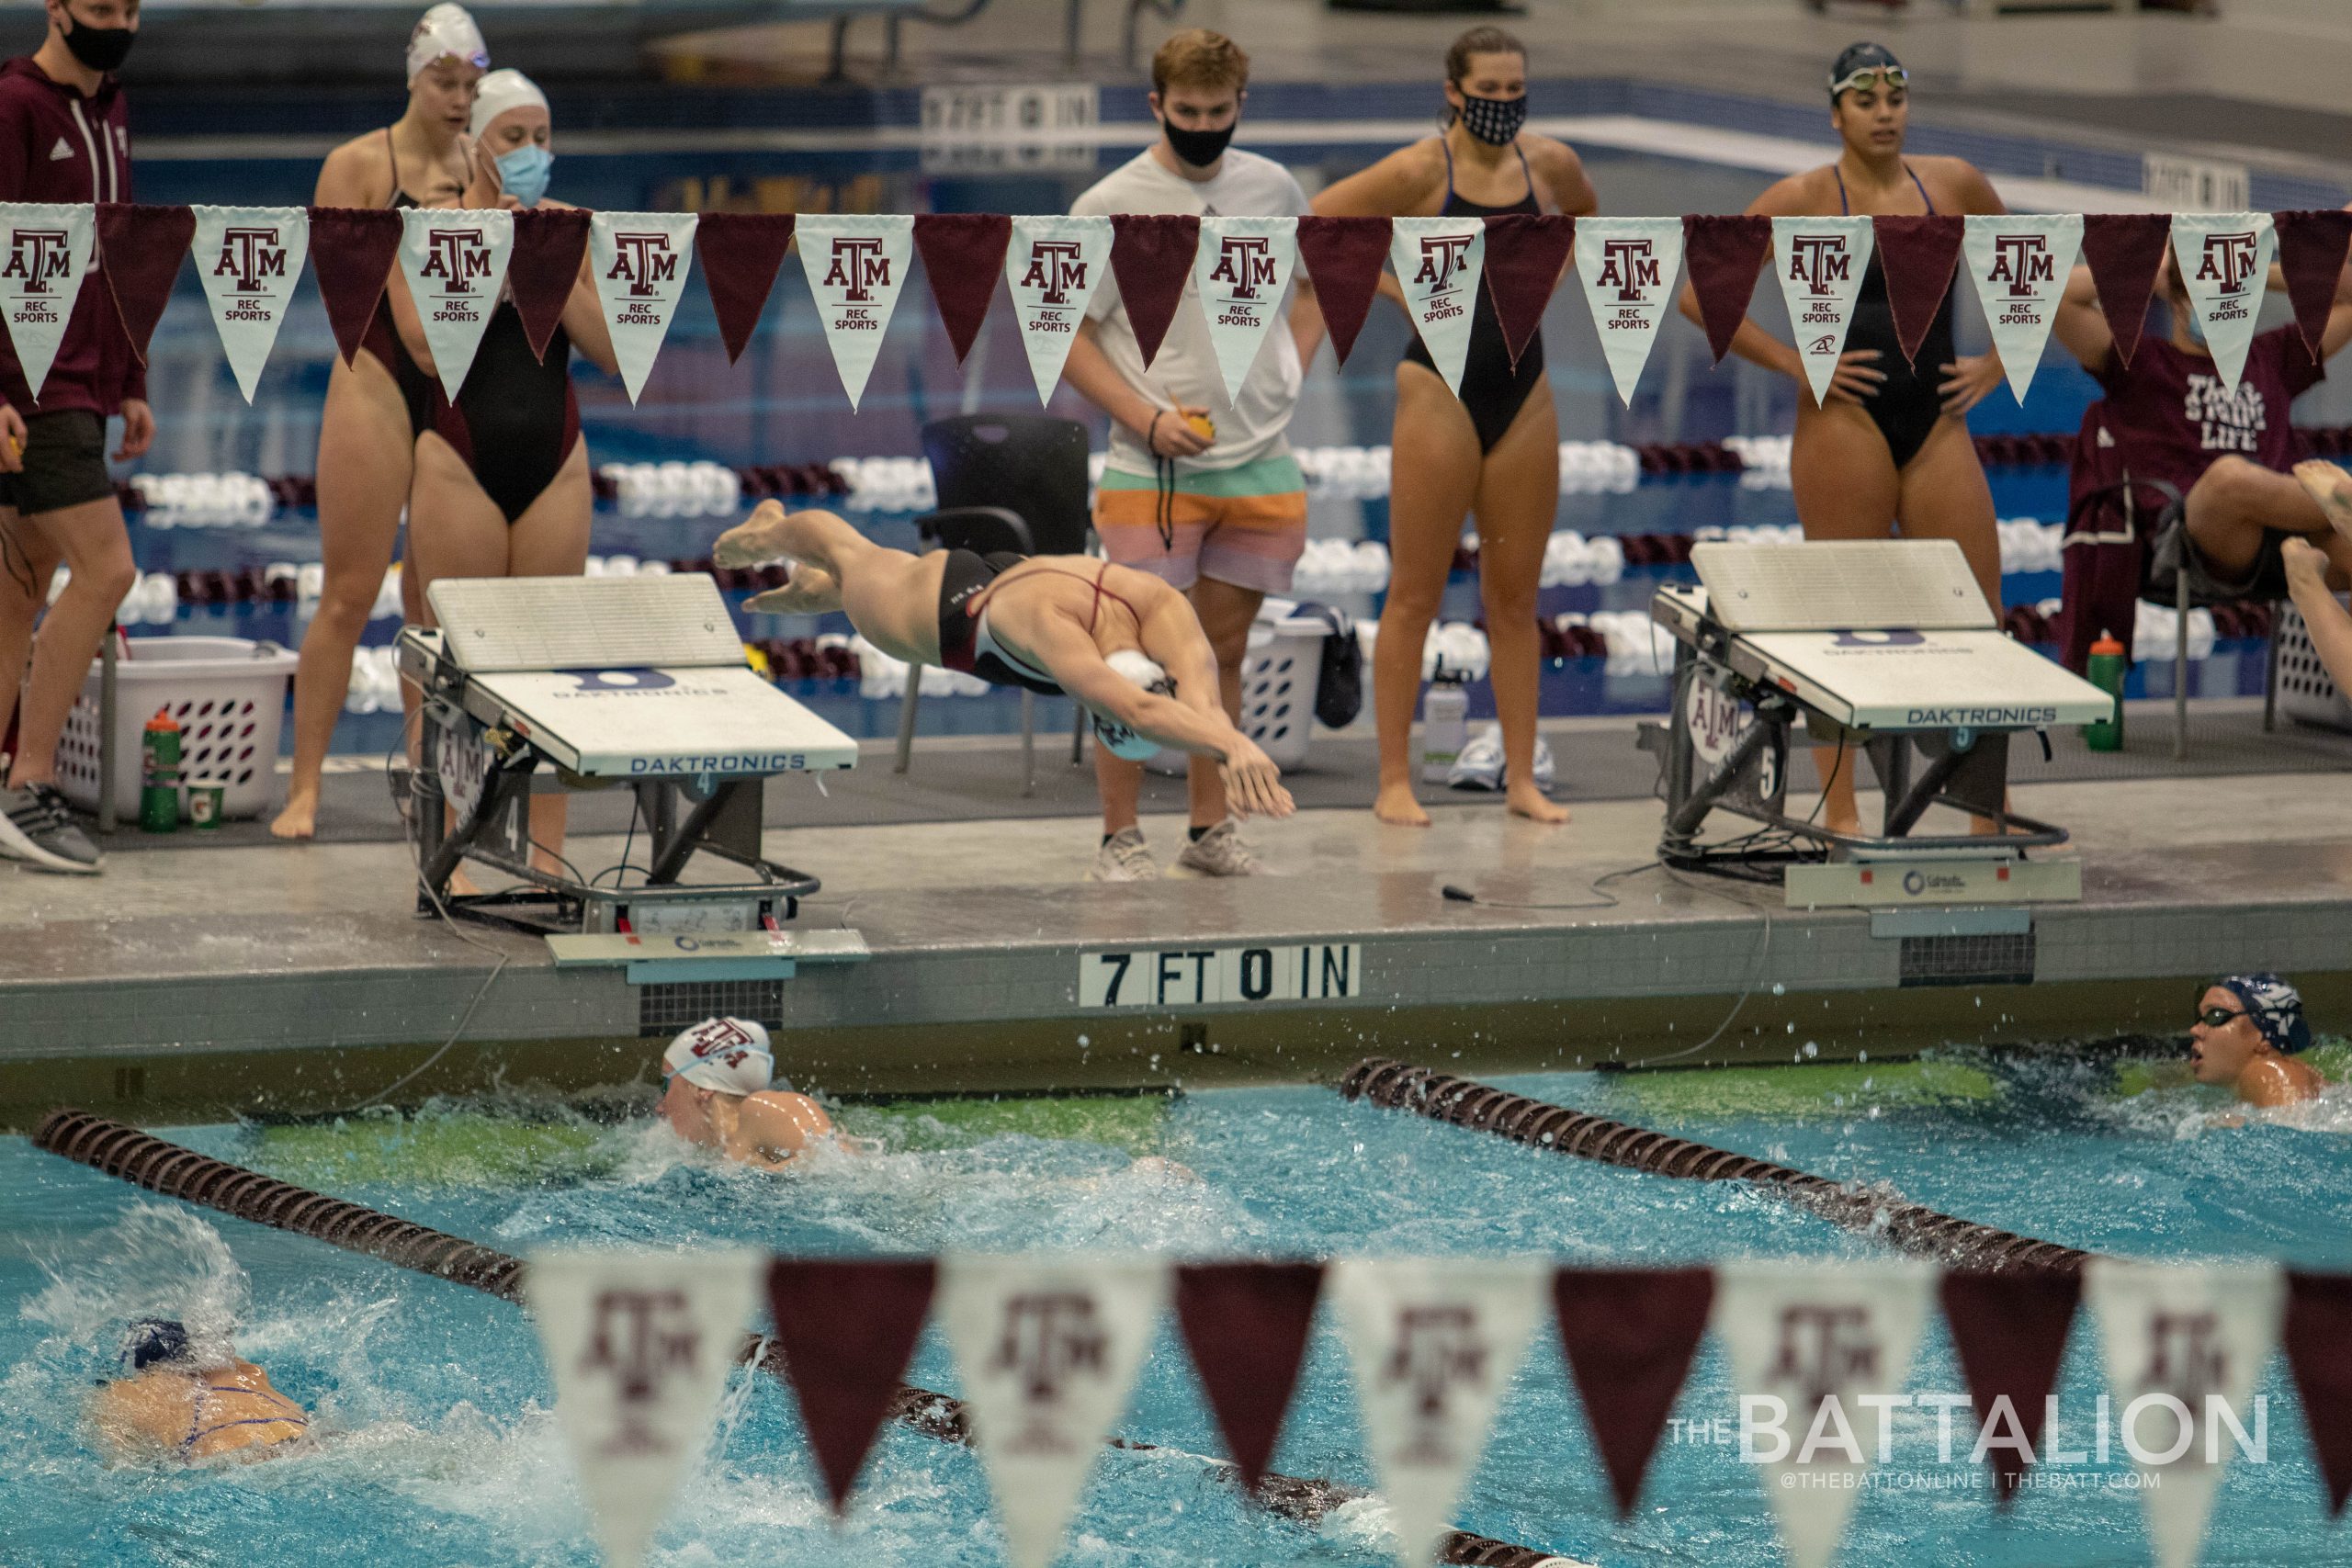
(1889, 648)
(548, 684)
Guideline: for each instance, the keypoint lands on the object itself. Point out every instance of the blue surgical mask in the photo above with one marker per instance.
(524, 173)
(2196, 325)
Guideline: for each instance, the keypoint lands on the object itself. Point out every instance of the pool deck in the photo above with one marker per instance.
(297, 978)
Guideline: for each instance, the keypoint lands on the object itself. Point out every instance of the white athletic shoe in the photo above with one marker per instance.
(1480, 764)
(1219, 852)
(37, 827)
(1123, 858)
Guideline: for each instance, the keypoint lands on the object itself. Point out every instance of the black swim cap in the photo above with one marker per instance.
(1859, 57)
(153, 1339)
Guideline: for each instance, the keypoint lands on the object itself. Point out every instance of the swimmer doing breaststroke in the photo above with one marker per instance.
(1122, 642)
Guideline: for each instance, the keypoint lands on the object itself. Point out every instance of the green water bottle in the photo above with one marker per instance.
(2108, 666)
(159, 774)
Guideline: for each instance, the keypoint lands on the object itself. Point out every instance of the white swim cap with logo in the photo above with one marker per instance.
(503, 89)
(447, 31)
(1152, 676)
(730, 1055)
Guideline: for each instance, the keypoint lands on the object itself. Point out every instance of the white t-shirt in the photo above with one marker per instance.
(1185, 371)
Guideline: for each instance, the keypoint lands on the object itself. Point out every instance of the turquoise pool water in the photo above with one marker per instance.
(437, 1445)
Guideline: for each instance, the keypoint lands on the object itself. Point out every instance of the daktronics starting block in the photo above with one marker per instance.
(536, 685)
(1889, 649)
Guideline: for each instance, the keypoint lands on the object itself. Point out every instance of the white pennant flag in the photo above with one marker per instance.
(1821, 262)
(1441, 261)
(1433, 1342)
(455, 263)
(2224, 257)
(855, 265)
(1816, 1349)
(1048, 1350)
(2019, 262)
(2183, 1347)
(1242, 272)
(639, 1345)
(1054, 266)
(1629, 266)
(640, 261)
(49, 247)
(249, 258)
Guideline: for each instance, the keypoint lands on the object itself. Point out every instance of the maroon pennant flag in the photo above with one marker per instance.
(2010, 1330)
(2124, 250)
(1526, 253)
(1724, 257)
(1247, 1325)
(1343, 258)
(140, 251)
(2318, 1341)
(1918, 256)
(847, 1328)
(550, 243)
(739, 253)
(1630, 1335)
(351, 251)
(1151, 256)
(2312, 247)
(962, 254)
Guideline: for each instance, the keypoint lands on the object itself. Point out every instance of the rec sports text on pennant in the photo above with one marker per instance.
(2019, 263)
(855, 265)
(50, 246)
(1242, 273)
(248, 259)
(639, 262)
(1054, 265)
(2224, 259)
(454, 264)
(1440, 261)
(1820, 261)
(1628, 266)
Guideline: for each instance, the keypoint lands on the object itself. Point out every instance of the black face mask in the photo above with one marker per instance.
(1494, 121)
(100, 48)
(1199, 148)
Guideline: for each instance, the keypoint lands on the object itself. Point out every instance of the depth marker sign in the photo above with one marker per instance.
(1212, 976)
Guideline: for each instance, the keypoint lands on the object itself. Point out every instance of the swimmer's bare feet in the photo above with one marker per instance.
(2332, 488)
(299, 818)
(2306, 566)
(461, 885)
(1841, 818)
(1397, 806)
(810, 592)
(754, 541)
(1526, 800)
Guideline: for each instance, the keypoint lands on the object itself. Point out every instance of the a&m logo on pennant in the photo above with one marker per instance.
(642, 262)
(248, 258)
(48, 248)
(40, 261)
(638, 262)
(855, 265)
(1241, 273)
(1628, 267)
(640, 1339)
(2223, 259)
(454, 264)
(2019, 263)
(860, 269)
(1053, 266)
(1821, 264)
(1056, 269)
(1439, 261)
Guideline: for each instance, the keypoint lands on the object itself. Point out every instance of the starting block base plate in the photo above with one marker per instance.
(1895, 882)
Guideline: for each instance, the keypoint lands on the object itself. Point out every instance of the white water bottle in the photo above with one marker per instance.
(1445, 724)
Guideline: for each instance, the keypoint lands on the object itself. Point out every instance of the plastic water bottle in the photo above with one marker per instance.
(1445, 724)
(2108, 663)
(159, 774)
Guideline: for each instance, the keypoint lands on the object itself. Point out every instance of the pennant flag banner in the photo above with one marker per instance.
(1526, 254)
(549, 244)
(2010, 1330)
(2183, 1348)
(847, 1329)
(1439, 261)
(1629, 267)
(1247, 1325)
(1814, 1347)
(639, 263)
(1151, 256)
(454, 264)
(1343, 258)
(2319, 1350)
(1821, 262)
(48, 252)
(2124, 250)
(1918, 255)
(1630, 1335)
(1242, 272)
(352, 252)
(2312, 247)
(639, 1347)
(1725, 257)
(1433, 1343)
(139, 255)
(855, 265)
(741, 253)
(248, 258)
(1054, 266)
(962, 253)
(2225, 258)
(2019, 263)
(1048, 1350)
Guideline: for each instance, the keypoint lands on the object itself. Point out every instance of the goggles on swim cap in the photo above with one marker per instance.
(1869, 76)
(445, 32)
(2273, 1007)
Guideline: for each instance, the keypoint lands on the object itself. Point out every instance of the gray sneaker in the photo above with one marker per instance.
(1219, 852)
(37, 827)
(1123, 858)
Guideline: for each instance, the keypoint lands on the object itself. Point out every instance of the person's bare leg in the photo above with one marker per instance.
(1846, 488)
(1518, 494)
(96, 548)
(1945, 497)
(1226, 611)
(891, 597)
(455, 530)
(2234, 500)
(1433, 475)
(550, 540)
(27, 560)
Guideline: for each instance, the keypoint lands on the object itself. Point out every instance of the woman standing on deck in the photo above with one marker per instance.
(1889, 448)
(382, 400)
(1495, 449)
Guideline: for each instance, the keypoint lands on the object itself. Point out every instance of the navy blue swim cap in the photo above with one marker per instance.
(2275, 1008)
(1861, 57)
(153, 1339)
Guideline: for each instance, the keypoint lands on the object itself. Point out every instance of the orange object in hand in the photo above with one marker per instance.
(1202, 425)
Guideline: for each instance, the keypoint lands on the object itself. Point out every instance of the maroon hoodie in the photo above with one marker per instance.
(56, 145)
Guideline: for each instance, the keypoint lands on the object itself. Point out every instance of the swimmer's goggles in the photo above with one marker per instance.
(1868, 76)
(2217, 1018)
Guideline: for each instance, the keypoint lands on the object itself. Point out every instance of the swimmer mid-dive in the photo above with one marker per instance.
(2249, 1030)
(176, 1403)
(1123, 642)
(722, 1095)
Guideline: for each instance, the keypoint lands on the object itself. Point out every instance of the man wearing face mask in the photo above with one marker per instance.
(1200, 489)
(65, 137)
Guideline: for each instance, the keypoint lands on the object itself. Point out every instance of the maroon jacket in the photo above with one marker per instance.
(56, 145)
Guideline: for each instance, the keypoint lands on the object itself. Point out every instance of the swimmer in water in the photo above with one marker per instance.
(722, 1095)
(1123, 642)
(176, 1403)
(2249, 1030)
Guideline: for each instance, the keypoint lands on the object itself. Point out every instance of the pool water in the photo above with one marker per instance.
(438, 1447)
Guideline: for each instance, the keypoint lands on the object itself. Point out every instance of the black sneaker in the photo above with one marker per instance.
(37, 827)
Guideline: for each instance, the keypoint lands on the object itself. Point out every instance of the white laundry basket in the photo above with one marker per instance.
(227, 694)
(2305, 692)
(1280, 679)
